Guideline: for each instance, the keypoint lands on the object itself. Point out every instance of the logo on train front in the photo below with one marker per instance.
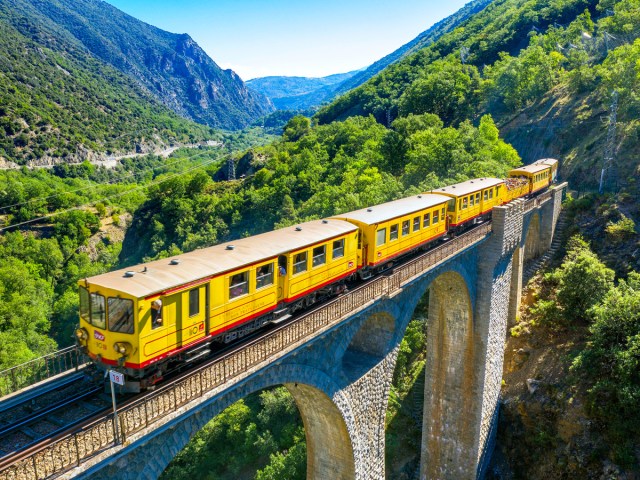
(97, 335)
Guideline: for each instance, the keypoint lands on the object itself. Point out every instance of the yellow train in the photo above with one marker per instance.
(144, 319)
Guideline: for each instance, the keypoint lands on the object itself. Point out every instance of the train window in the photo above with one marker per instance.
(497, 191)
(239, 285)
(264, 276)
(436, 217)
(442, 211)
(393, 232)
(381, 237)
(465, 203)
(319, 256)
(478, 198)
(156, 313)
(194, 302)
(97, 311)
(416, 224)
(406, 228)
(452, 205)
(491, 193)
(486, 195)
(300, 263)
(338, 248)
(120, 315)
(84, 304)
(426, 220)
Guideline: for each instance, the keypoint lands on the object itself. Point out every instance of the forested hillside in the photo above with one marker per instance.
(313, 172)
(171, 67)
(545, 70)
(60, 103)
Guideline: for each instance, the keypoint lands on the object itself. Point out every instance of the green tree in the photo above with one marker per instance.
(610, 364)
(25, 303)
(582, 279)
(296, 128)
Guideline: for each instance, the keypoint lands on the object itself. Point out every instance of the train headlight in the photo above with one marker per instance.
(123, 348)
(82, 335)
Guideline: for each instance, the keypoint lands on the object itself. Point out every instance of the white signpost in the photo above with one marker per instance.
(115, 377)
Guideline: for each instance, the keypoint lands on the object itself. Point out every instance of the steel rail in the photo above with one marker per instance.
(48, 410)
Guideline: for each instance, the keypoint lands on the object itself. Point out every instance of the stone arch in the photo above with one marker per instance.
(329, 449)
(369, 345)
(328, 417)
(532, 244)
(449, 429)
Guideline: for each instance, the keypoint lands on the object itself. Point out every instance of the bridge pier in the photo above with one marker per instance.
(464, 355)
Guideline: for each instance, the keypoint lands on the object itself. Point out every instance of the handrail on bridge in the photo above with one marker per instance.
(39, 369)
(73, 449)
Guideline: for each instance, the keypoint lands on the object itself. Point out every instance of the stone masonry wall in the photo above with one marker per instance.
(491, 312)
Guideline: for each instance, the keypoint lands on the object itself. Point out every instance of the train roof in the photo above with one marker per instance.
(160, 275)
(470, 186)
(546, 161)
(393, 209)
(530, 169)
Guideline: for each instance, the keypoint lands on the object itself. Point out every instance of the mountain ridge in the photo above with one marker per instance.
(295, 92)
(328, 91)
(172, 67)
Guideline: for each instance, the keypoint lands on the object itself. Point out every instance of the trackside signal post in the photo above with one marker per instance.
(115, 377)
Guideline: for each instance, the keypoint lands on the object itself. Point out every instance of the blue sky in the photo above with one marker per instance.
(285, 37)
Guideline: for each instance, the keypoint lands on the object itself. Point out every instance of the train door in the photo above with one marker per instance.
(192, 325)
(159, 330)
(282, 278)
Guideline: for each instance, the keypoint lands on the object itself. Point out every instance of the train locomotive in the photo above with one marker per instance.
(150, 318)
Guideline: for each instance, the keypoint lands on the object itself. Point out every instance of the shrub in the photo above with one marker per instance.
(622, 229)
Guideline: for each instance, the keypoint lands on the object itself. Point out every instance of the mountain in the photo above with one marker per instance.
(59, 103)
(298, 93)
(171, 67)
(424, 39)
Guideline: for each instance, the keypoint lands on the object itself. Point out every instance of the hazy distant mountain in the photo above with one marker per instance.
(172, 67)
(298, 93)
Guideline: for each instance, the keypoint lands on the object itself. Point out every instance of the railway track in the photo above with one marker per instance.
(49, 410)
(101, 416)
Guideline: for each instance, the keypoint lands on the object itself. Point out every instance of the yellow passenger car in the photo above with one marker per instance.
(537, 174)
(551, 162)
(140, 317)
(395, 228)
(472, 200)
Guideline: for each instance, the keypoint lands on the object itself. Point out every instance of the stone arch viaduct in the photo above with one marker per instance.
(340, 376)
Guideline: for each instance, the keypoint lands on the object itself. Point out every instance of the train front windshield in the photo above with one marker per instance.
(115, 311)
